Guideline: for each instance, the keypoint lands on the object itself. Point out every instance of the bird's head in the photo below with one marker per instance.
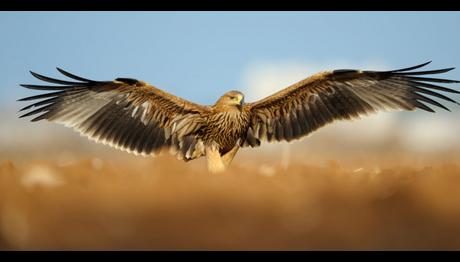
(232, 98)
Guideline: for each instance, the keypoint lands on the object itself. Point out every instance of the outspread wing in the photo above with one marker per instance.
(125, 113)
(341, 94)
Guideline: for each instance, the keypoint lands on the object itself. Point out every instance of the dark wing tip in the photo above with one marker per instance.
(429, 79)
(38, 76)
(429, 72)
(410, 68)
(24, 85)
(75, 77)
(82, 81)
(34, 74)
(423, 106)
(55, 81)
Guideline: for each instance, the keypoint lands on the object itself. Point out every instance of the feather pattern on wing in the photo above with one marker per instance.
(125, 113)
(341, 94)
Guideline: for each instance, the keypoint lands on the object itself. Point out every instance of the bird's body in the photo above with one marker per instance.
(225, 124)
(225, 128)
(137, 117)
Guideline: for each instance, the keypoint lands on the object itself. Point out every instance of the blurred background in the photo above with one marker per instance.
(387, 181)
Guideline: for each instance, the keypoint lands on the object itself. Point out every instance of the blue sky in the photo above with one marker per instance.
(200, 55)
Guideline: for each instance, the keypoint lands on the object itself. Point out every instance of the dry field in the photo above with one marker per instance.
(374, 201)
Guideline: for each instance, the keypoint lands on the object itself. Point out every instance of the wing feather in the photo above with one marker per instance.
(341, 94)
(125, 113)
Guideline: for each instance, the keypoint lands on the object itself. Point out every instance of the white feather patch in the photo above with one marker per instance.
(133, 114)
(145, 107)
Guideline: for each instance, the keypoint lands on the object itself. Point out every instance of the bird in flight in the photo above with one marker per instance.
(140, 118)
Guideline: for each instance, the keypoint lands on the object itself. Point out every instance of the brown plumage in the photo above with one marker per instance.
(137, 117)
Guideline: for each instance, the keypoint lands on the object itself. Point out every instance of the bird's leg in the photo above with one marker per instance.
(214, 160)
(228, 157)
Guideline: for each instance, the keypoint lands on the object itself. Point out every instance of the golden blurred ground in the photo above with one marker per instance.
(359, 202)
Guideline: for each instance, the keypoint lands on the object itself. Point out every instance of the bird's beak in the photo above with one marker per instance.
(241, 100)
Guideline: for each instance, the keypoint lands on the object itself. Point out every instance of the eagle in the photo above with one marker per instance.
(137, 117)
